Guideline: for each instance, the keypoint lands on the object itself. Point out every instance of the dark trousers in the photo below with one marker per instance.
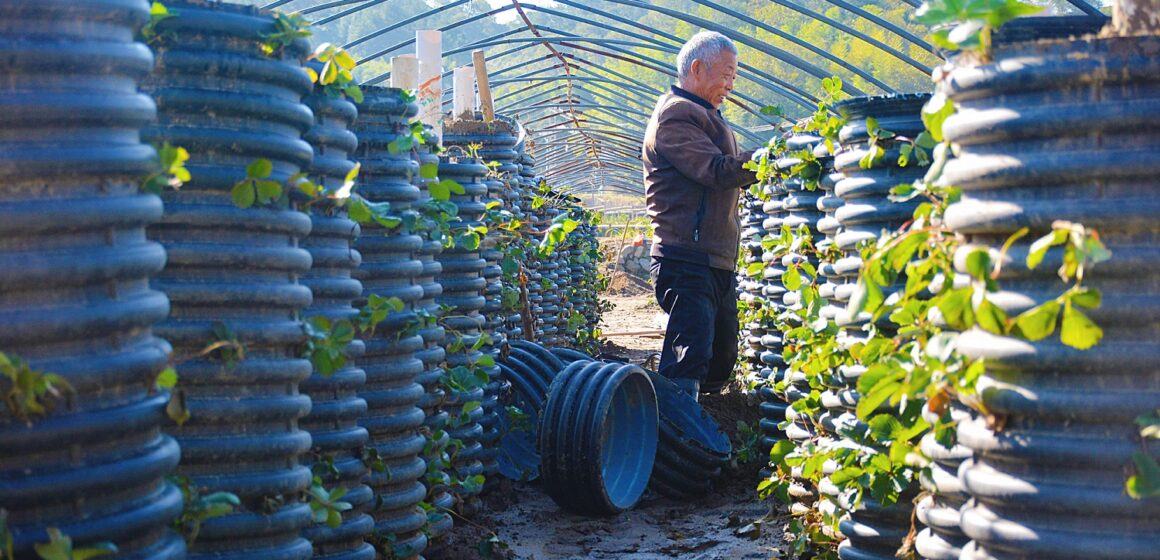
(701, 339)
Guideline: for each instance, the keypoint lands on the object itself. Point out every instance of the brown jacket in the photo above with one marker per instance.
(693, 177)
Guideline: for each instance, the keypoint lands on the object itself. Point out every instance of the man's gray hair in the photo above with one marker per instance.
(704, 46)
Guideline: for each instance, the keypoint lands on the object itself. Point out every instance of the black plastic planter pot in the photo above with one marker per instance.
(598, 437)
(74, 298)
(692, 450)
(864, 209)
(393, 361)
(861, 213)
(939, 511)
(530, 368)
(1062, 130)
(496, 143)
(232, 272)
(464, 287)
(333, 420)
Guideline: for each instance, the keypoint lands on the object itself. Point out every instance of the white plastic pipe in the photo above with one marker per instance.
(405, 72)
(463, 102)
(429, 50)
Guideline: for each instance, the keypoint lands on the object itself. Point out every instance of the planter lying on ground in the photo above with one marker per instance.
(232, 272)
(74, 298)
(530, 369)
(1062, 130)
(598, 437)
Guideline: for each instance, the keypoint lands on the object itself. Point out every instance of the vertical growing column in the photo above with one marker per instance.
(392, 362)
(74, 295)
(233, 100)
(338, 439)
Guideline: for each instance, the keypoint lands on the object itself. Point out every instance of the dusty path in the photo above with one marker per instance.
(520, 521)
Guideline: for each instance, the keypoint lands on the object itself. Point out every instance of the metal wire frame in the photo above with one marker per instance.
(642, 85)
(602, 97)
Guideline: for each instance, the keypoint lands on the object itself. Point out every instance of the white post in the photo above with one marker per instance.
(429, 50)
(463, 106)
(405, 72)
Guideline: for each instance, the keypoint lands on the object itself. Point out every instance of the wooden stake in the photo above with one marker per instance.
(1135, 17)
(481, 81)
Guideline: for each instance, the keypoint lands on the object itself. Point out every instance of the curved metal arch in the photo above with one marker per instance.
(766, 48)
(733, 100)
(581, 106)
(761, 46)
(676, 46)
(565, 145)
(799, 96)
(781, 87)
(812, 48)
(574, 58)
(645, 98)
(880, 22)
(818, 16)
(628, 142)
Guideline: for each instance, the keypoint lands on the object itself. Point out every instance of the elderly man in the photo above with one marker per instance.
(693, 176)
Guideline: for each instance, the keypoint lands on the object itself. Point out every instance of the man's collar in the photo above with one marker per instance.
(677, 91)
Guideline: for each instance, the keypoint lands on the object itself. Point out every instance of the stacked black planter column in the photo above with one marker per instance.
(74, 297)
(433, 356)
(463, 289)
(773, 405)
(865, 212)
(1062, 130)
(392, 362)
(534, 218)
(233, 272)
(333, 422)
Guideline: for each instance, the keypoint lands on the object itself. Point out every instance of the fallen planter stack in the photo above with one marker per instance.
(333, 421)
(598, 437)
(390, 270)
(231, 274)
(74, 296)
(530, 368)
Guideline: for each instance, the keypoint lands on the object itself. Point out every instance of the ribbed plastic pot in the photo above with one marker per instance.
(865, 209)
(74, 297)
(530, 368)
(942, 537)
(691, 451)
(598, 437)
(496, 142)
(433, 357)
(535, 220)
(464, 288)
(229, 104)
(393, 360)
(333, 420)
(1062, 130)
(793, 206)
(861, 213)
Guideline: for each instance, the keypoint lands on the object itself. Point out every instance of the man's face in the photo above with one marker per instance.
(715, 76)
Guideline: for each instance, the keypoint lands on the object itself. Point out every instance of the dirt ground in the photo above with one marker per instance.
(519, 521)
